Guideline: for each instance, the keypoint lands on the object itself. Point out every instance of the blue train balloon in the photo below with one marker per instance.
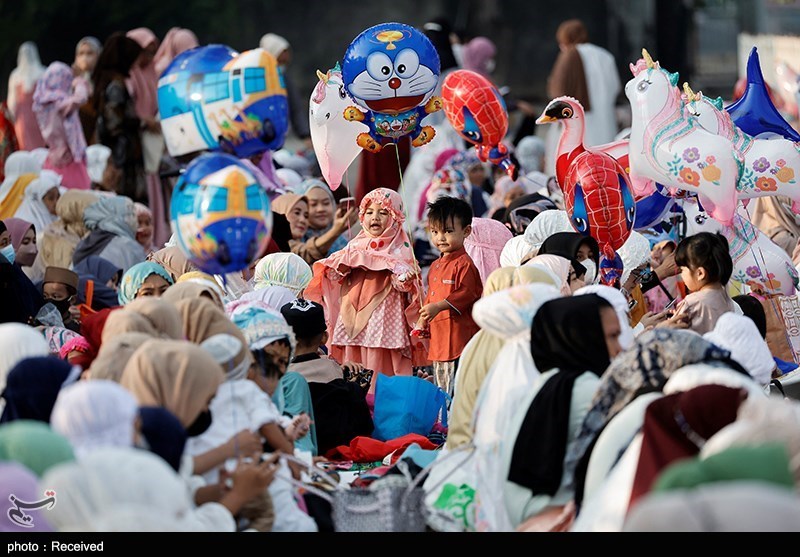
(391, 71)
(220, 214)
(214, 98)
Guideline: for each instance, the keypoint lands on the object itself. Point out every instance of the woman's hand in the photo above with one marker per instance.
(667, 268)
(344, 219)
(650, 319)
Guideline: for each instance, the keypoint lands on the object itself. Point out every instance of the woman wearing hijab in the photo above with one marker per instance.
(570, 273)
(481, 351)
(331, 227)
(21, 299)
(18, 170)
(39, 200)
(18, 342)
(101, 270)
(21, 86)
(32, 387)
(295, 208)
(95, 414)
(173, 260)
(23, 238)
(56, 104)
(113, 355)
(273, 297)
(176, 41)
(572, 342)
(572, 245)
(143, 86)
(485, 244)
(524, 210)
(59, 240)
(188, 289)
(143, 279)
(282, 269)
(34, 445)
(111, 221)
(118, 124)
(87, 52)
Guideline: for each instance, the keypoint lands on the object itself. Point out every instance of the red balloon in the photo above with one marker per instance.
(478, 113)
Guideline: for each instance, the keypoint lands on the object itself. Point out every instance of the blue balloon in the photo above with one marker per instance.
(754, 112)
(214, 98)
(652, 209)
(220, 214)
(391, 71)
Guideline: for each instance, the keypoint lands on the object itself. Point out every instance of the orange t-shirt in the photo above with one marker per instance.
(453, 278)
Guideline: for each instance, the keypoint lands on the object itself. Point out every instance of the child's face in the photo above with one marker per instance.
(376, 220)
(298, 220)
(694, 280)
(449, 237)
(144, 233)
(50, 199)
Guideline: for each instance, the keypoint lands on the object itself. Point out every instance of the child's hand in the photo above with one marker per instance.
(428, 312)
(299, 428)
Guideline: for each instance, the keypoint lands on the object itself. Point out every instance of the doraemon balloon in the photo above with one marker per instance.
(391, 71)
(220, 214)
(214, 98)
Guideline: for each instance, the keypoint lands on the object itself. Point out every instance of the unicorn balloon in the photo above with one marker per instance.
(770, 165)
(757, 261)
(333, 137)
(668, 147)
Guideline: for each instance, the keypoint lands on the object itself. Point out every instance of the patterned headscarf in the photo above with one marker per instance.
(135, 276)
(262, 325)
(52, 94)
(655, 355)
(283, 269)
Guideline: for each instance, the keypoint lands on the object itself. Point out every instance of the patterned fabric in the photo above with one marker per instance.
(646, 367)
(635, 252)
(262, 325)
(283, 269)
(52, 101)
(132, 281)
(58, 337)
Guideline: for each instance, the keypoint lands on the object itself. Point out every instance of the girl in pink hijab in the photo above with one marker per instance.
(479, 56)
(56, 101)
(143, 87)
(370, 290)
(176, 41)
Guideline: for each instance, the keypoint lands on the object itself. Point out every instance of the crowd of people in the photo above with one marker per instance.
(150, 395)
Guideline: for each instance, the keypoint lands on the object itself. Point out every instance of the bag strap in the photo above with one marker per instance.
(425, 471)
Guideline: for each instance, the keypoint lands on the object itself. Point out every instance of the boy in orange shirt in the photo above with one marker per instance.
(454, 285)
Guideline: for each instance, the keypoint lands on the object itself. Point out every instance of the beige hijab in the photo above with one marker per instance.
(60, 238)
(184, 290)
(148, 315)
(173, 260)
(773, 216)
(176, 375)
(202, 319)
(114, 354)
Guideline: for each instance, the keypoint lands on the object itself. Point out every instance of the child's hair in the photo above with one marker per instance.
(446, 208)
(709, 251)
(753, 309)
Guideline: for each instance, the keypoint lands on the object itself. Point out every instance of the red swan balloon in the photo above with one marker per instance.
(476, 110)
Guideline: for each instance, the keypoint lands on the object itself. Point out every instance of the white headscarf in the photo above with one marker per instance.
(224, 348)
(530, 153)
(514, 252)
(18, 342)
(634, 253)
(275, 297)
(507, 314)
(545, 225)
(32, 208)
(740, 335)
(28, 71)
(288, 270)
(96, 160)
(274, 44)
(116, 480)
(94, 414)
(620, 305)
(17, 164)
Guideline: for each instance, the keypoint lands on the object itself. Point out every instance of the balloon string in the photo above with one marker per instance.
(409, 232)
(765, 273)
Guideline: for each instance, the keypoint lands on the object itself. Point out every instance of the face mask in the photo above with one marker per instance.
(200, 424)
(61, 305)
(27, 255)
(8, 253)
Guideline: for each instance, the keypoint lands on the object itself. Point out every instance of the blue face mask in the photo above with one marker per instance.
(8, 253)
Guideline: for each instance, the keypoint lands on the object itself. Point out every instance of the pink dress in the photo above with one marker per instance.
(27, 129)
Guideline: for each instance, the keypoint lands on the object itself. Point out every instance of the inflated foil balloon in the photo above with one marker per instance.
(391, 71)
(214, 98)
(477, 111)
(334, 138)
(220, 214)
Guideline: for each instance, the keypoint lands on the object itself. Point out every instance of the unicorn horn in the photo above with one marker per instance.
(691, 96)
(648, 60)
(323, 76)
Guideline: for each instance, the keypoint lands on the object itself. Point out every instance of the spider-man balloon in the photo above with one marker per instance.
(478, 113)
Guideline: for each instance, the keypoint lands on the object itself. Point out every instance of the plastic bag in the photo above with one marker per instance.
(407, 404)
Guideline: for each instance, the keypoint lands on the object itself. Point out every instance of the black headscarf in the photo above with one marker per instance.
(438, 32)
(281, 231)
(567, 244)
(526, 208)
(118, 55)
(567, 334)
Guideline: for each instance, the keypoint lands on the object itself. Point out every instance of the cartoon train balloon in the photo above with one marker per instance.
(476, 110)
(214, 98)
(391, 71)
(220, 214)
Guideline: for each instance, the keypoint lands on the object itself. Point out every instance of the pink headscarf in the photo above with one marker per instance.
(55, 104)
(17, 228)
(477, 53)
(143, 82)
(486, 243)
(176, 41)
